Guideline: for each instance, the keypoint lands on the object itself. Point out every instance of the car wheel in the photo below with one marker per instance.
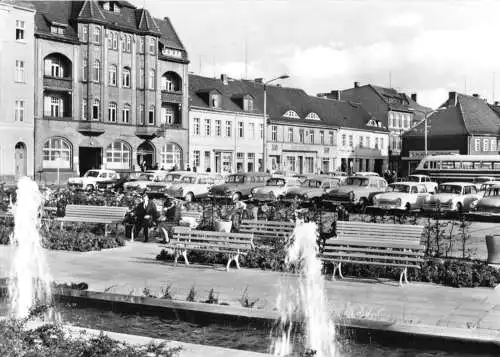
(189, 197)
(89, 188)
(236, 196)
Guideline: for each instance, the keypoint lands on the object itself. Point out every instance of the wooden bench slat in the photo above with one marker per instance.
(416, 266)
(329, 251)
(374, 243)
(192, 245)
(374, 256)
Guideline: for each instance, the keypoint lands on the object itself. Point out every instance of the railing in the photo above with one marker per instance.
(171, 97)
(57, 83)
(146, 131)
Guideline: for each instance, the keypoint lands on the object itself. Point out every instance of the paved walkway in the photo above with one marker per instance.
(474, 311)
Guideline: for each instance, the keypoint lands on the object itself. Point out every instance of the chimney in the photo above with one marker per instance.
(414, 97)
(475, 95)
(334, 94)
(356, 84)
(223, 78)
(452, 99)
(259, 80)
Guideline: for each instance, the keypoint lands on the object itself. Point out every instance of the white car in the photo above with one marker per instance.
(274, 189)
(402, 195)
(91, 178)
(193, 185)
(425, 180)
(144, 179)
(453, 196)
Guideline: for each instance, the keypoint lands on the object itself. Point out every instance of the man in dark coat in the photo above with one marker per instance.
(146, 215)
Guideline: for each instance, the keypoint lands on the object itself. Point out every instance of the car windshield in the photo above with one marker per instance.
(275, 182)
(413, 178)
(172, 177)
(188, 179)
(450, 189)
(357, 181)
(311, 183)
(492, 192)
(398, 188)
(91, 174)
(145, 177)
(235, 179)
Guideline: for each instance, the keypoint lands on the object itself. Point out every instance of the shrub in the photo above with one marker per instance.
(80, 241)
(212, 299)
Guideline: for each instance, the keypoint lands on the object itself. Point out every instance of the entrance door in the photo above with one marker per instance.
(146, 153)
(89, 158)
(301, 165)
(20, 160)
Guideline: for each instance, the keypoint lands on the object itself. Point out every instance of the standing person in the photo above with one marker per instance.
(188, 168)
(146, 215)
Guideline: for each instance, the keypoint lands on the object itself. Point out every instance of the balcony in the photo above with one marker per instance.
(146, 131)
(57, 84)
(171, 97)
(91, 128)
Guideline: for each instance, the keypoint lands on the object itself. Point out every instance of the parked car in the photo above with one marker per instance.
(117, 185)
(161, 185)
(489, 204)
(402, 195)
(238, 186)
(144, 179)
(312, 188)
(484, 187)
(480, 180)
(275, 188)
(357, 192)
(425, 180)
(193, 185)
(90, 179)
(366, 173)
(453, 196)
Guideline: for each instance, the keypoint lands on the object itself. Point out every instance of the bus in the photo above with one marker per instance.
(454, 167)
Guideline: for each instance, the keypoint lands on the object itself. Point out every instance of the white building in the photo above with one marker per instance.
(16, 91)
(225, 126)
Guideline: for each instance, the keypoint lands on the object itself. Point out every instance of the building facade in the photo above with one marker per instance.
(226, 126)
(464, 124)
(16, 91)
(111, 89)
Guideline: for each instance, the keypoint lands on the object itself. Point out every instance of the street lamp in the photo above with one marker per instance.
(264, 126)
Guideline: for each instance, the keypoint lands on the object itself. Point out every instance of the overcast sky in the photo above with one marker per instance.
(427, 47)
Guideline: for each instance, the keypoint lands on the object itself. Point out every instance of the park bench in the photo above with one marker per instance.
(267, 230)
(396, 245)
(94, 214)
(233, 244)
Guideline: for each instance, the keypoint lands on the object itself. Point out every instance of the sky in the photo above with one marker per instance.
(428, 47)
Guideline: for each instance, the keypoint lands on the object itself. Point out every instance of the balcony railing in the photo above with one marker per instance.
(171, 97)
(91, 128)
(146, 131)
(56, 83)
(63, 118)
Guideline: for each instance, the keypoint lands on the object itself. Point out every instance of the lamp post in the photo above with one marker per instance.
(264, 126)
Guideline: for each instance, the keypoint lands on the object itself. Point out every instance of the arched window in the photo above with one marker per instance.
(97, 71)
(57, 153)
(171, 155)
(112, 75)
(312, 116)
(57, 65)
(291, 115)
(118, 155)
(126, 77)
(171, 82)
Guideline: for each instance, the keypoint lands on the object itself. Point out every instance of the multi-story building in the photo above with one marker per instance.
(16, 91)
(396, 111)
(225, 126)
(111, 89)
(462, 125)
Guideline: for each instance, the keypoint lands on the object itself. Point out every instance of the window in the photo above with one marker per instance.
(53, 107)
(85, 69)
(229, 128)
(167, 115)
(301, 136)
(96, 105)
(344, 140)
(477, 144)
(141, 44)
(274, 133)
(97, 34)
(54, 67)
(309, 163)
(207, 127)
(196, 158)
(141, 114)
(151, 82)
(368, 142)
(20, 71)
(56, 153)
(19, 30)
(114, 40)
(126, 78)
(381, 143)
(218, 130)
(110, 39)
(290, 135)
(128, 45)
(351, 141)
(290, 114)
(112, 75)
(251, 129)
(261, 131)
(59, 30)
(330, 133)
(241, 129)
(322, 137)
(126, 113)
(118, 155)
(171, 155)
(486, 144)
(196, 126)
(85, 109)
(311, 136)
(152, 45)
(376, 143)
(248, 104)
(97, 71)
(19, 111)
(313, 116)
(361, 143)
(207, 160)
(141, 78)
(112, 112)
(85, 33)
(151, 115)
(493, 144)
(215, 100)
(290, 163)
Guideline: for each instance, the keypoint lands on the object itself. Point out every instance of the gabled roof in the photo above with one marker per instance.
(146, 23)
(169, 36)
(90, 10)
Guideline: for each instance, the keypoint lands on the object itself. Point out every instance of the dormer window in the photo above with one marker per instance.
(248, 104)
(290, 114)
(312, 116)
(59, 30)
(372, 123)
(215, 100)
(111, 6)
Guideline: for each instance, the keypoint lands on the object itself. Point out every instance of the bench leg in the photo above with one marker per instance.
(406, 277)
(404, 273)
(62, 225)
(184, 254)
(106, 230)
(337, 267)
(234, 257)
(176, 257)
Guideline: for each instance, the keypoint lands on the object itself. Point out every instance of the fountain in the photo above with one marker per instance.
(305, 302)
(30, 280)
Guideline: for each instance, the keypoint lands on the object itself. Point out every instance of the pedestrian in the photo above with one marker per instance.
(146, 216)
(143, 165)
(188, 168)
(194, 169)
